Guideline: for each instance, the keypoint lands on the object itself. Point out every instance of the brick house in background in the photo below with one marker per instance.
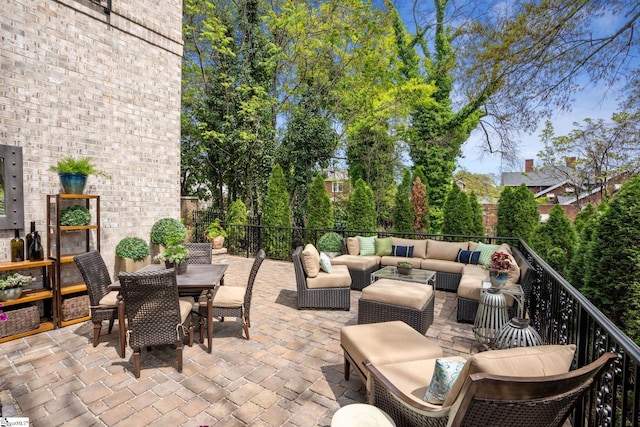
(336, 183)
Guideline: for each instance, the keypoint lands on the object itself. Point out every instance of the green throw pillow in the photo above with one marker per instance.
(383, 246)
(485, 252)
(367, 245)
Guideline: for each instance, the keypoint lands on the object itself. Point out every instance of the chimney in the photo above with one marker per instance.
(528, 165)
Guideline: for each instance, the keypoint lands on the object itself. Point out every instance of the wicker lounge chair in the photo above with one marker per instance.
(330, 298)
(199, 253)
(492, 400)
(232, 301)
(155, 314)
(104, 303)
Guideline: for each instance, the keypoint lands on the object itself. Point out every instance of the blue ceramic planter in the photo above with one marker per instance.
(72, 183)
(498, 278)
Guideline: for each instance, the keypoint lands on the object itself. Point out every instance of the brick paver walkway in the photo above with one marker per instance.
(289, 374)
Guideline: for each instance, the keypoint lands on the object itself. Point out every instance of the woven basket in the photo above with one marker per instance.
(20, 320)
(76, 307)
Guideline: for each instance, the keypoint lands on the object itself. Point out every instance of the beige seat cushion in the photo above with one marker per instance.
(398, 292)
(441, 265)
(310, 258)
(394, 260)
(470, 286)
(356, 262)
(386, 342)
(537, 361)
(444, 250)
(419, 246)
(185, 309)
(338, 278)
(228, 296)
(110, 300)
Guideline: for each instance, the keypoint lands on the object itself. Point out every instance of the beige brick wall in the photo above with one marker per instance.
(77, 81)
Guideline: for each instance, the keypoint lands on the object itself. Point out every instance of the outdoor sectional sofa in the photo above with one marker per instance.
(444, 258)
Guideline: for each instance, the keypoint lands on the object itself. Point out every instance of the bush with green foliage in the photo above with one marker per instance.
(330, 242)
(518, 214)
(174, 251)
(457, 213)
(276, 216)
(214, 229)
(476, 227)
(82, 166)
(555, 240)
(320, 212)
(587, 221)
(75, 216)
(133, 248)
(403, 211)
(165, 227)
(613, 261)
(236, 220)
(361, 209)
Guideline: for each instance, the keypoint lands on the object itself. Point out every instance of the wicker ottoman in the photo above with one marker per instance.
(387, 300)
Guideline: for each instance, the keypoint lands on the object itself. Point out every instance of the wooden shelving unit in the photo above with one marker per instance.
(84, 238)
(31, 296)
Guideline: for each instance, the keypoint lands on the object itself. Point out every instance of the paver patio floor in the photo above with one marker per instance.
(289, 374)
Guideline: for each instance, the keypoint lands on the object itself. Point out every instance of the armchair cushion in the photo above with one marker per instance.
(419, 246)
(353, 246)
(109, 300)
(444, 250)
(339, 278)
(310, 260)
(367, 245)
(485, 252)
(383, 246)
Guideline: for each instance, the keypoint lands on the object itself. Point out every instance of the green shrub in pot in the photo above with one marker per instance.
(164, 228)
(133, 248)
(74, 216)
(330, 242)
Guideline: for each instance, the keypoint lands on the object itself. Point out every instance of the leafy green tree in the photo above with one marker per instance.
(518, 214)
(237, 219)
(361, 210)
(276, 215)
(403, 211)
(613, 260)
(555, 240)
(476, 227)
(457, 213)
(482, 185)
(418, 172)
(320, 214)
(586, 222)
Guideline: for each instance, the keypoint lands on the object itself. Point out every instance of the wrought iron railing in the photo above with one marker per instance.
(560, 313)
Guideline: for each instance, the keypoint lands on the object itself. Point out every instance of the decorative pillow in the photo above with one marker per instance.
(310, 260)
(404, 251)
(485, 252)
(353, 246)
(444, 375)
(325, 263)
(383, 246)
(367, 245)
(468, 257)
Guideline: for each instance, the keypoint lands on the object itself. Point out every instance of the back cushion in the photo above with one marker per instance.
(419, 246)
(310, 260)
(536, 361)
(353, 246)
(446, 251)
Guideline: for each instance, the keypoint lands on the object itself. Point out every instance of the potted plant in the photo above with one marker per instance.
(12, 284)
(499, 269)
(132, 253)
(162, 229)
(174, 255)
(73, 173)
(404, 267)
(330, 243)
(75, 216)
(216, 234)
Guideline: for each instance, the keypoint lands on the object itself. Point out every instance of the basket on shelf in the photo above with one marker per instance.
(75, 308)
(20, 320)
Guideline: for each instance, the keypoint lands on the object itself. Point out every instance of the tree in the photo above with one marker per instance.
(320, 214)
(555, 240)
(361, 210)
(518, 214)
(481, 184)
(276, 215)
(585, 223)
(613, 265)
(476, 226)
(236, 216)
(457, 213)
(403, 211)
(420, 208)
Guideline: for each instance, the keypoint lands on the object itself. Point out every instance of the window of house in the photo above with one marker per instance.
(336, 187)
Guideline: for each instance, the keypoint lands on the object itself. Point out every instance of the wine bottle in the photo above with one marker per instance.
(35, 247)
(28, 238)
(17, 248)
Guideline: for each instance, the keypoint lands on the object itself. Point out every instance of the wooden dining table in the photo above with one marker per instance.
(198, 278)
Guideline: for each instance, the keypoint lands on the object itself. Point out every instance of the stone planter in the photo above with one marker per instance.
(10, 294)
(72, 183)
(129, 266)
(217, 242)
(180, 268)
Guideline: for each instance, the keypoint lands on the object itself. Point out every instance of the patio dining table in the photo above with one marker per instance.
(198, 278)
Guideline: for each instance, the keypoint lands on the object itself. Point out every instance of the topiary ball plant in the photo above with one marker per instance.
(166, 227)
(330, 242)
(133, 248)
(75, 216)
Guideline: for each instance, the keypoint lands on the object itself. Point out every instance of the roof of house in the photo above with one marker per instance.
(544, 177)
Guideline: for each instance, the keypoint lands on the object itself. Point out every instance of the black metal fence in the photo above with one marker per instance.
(556, 309)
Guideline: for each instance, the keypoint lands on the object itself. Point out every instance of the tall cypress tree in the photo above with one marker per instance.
(555, 240)
(477, 220)
(361, 210)
(320, 211)
(518, 214)
(403, 211)
(276, 216)
(457, 213)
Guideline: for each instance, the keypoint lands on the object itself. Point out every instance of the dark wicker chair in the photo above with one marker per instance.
(104, 303)
(226, 300)
(199, 253)
(333, 298)
(492, 400)
(155, 314)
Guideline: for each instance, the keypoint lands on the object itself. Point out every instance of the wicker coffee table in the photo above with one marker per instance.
(426, 277)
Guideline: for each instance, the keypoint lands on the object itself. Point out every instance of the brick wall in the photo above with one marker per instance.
(77, 81)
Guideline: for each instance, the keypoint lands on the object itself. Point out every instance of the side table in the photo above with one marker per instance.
(493, 311)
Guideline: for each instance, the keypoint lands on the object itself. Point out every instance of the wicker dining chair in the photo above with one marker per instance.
(232, 301)
(199, 253)
(155, 314)
(104, 303)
